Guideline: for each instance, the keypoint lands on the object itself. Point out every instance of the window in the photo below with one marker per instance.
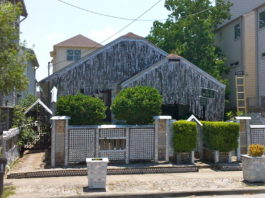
(237, 31)
(73, 55)
(262, 19)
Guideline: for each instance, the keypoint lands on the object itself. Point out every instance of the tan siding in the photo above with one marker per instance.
(232, 51)
(250, 54)
(261, 60)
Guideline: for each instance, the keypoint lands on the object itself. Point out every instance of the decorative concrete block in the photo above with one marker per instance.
(97, 172)
(253, 168)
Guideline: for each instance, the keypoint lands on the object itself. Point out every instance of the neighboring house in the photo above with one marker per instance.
(71, 50)
(30, 72)
(242, 40)
(131, 60)
(7, 102)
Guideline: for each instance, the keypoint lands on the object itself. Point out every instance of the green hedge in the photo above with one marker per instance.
(221, 136)
(137, 105)
(83, 110)
(185, 136)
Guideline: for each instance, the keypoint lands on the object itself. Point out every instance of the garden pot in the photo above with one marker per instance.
(253, 168)
(210, 155)
(224, 157)
(183, 158)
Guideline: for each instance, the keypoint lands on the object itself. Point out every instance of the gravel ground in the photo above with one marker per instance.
(205, 179)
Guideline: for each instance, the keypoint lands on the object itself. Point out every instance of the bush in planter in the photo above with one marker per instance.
(256, 150)
(137, 105)
(185, 136)
(221, 136)
(83, 110)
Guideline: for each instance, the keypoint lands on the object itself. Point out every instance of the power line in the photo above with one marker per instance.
(106, 15)
(124, 27)
(134, 20)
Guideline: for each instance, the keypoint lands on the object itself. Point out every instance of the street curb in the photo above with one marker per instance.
(117, 171)
(173, 194)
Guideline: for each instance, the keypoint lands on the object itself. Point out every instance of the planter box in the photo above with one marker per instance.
(210, 155)
(183, 158)
(253, 168)
(225, 157)
(97, 172)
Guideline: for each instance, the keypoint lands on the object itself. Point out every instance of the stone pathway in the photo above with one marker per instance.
(30, 162)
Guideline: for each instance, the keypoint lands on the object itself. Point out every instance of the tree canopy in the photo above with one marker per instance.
(189, 31)
(12, 55)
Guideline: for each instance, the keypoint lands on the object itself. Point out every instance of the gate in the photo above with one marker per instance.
(142, 144)
(257, 134)
(81, 144)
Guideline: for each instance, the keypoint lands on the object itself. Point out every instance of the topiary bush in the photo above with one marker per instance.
(83, 110)
(221, 136)
(185, 136)
(256, 150)
(137, 105)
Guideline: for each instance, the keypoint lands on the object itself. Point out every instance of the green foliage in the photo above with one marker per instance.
(27, 133)
(230, 115)
(8, 191)
(83, 110)
(137, 105)
(27, 101)
(185, 136)
(190, 32)
(221, 136)
(13, 56)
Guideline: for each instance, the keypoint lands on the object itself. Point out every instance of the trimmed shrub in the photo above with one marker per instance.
(185, 136)
(221, 136)
(137, 105)
(256, 150)
(83, 110)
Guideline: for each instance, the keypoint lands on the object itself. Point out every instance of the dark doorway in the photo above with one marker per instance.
(106, 97)
(177, 111)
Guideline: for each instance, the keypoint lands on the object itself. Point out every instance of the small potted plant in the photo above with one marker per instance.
(254, 164)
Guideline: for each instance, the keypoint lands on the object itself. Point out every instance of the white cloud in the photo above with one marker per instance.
(101, 35)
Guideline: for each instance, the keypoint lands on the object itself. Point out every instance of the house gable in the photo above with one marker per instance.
(106, 67)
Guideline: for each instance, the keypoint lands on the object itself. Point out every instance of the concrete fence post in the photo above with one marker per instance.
(244, 135)
(162, 130)
(59, 150)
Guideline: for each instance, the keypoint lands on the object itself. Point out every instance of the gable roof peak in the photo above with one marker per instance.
(173, 57)
(78, 41)
(132, 35)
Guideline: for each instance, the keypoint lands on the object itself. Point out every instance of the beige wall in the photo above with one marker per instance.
(261, 62)
(250, 56)
(231, 48)
(60, 57)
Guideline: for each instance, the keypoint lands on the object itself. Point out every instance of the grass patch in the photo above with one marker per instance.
(8, 191)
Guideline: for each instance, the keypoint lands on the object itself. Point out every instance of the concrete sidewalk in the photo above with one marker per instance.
(206, 180)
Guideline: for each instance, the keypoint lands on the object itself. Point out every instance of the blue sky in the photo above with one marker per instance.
(50, 22)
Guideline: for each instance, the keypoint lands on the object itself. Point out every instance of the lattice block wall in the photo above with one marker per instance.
(113, 155)
(105, 133)
(257, 136)
(81, 144)
(142, 144)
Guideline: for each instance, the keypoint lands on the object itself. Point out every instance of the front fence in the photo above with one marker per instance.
(9, 145)
(118, 143)
(73, 144)
(257, 134)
